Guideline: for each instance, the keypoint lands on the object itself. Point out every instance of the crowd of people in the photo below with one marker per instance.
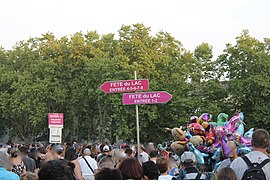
(109, 162)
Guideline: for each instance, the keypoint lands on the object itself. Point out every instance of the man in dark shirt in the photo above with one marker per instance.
(28, 162)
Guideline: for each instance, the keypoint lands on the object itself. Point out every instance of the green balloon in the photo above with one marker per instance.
(213, 123)
(222, 119)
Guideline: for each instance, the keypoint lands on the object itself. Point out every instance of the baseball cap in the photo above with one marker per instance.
(188, 157)
(106, 149)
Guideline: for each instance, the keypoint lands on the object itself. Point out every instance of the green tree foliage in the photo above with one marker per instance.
(245, 67)
(44, 75)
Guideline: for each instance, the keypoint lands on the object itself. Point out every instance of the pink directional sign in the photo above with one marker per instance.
(56, 119)
(125, 86)
(146, 98)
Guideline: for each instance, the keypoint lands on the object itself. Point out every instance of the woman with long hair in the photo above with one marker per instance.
(131, 169)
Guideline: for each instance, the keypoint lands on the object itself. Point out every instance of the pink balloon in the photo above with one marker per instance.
(247, 142)
(232, 124)
(226, 149)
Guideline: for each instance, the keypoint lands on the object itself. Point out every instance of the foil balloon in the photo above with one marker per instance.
(236, 136)
(222, 119)
(226, 149)
(161, 148)
(178, 134)
(242, 116)
(217, 155)
(247, 142)
(249, 133)
(220, 132)
(205, 155)
(205, 125)
(203, 149)
(205, 117)
(177, 148)
(241, 151)
(193, 119)
(240, 128)
(213, 123)
(232, 124)
(197, 140)
(198, 154)
(196, 129)
(188, 135)
(216, 144)
(163, 151)
(210, 136)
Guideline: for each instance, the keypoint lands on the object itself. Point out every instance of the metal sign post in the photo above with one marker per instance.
(137, 123)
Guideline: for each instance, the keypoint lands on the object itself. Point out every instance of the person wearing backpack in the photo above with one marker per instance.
(188, 164)
(256, 164)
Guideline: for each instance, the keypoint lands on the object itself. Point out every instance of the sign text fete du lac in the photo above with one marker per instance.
(125, 86)
(146, 98)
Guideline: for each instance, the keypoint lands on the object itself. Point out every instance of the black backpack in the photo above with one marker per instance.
(198, 177)
(183, 177)
(254, 171)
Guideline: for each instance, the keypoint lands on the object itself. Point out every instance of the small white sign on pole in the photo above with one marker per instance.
(55, 135)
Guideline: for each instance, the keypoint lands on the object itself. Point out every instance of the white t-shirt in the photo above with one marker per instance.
(86, 171)
(193, 176)
(165, 177)
(239, 165)
(225, 163)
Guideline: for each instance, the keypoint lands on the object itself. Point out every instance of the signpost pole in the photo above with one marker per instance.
(137, 124)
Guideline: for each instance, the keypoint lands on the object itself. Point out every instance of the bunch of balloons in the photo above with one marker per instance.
(207, 139)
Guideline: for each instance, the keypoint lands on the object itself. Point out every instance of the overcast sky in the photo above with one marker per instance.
(190, 21)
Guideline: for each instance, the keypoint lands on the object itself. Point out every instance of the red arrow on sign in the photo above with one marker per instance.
(146, 98)
(125, 86)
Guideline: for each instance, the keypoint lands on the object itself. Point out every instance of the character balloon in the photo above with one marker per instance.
(197, 140)
(249, 133)
(222, 119)
(217, 155)
(193, 119)
(180, 140)
(210, 136)
(198, 154)
(205, 117)
(196, 129)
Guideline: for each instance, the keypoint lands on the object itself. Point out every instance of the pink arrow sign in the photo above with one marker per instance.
(125, 86)
(146, 98)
